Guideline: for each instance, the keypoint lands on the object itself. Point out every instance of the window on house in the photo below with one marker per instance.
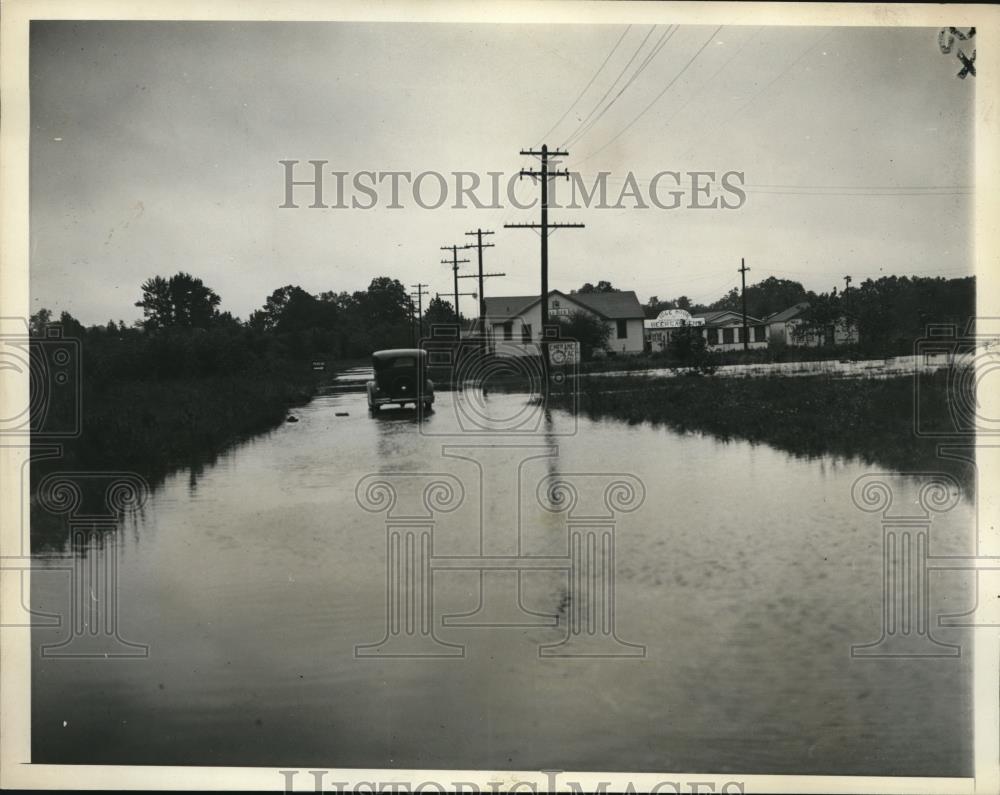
(622, 329)
(508, 330)
(728, 338)
(526, 333)
(758, 333)
(713, 336)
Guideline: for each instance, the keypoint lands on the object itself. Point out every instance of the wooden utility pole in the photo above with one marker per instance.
(455, 262)
(480, 245)
(413, 322)
(743, 291)
(544, 175)
(420, 306)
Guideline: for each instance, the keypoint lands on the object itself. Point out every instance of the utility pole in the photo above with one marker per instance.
(455, 262)
(480, 245)
(544, 175)
(413, 321)
(743, 277)
(420, 306)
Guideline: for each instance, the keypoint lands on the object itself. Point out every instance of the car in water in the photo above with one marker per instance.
(400, 378)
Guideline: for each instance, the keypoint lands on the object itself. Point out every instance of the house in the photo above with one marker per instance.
(792, 327)
(723, 330)
(515, 321)
(658, 331)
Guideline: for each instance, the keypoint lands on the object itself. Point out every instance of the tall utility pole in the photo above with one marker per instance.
(413, 321)
(455, 262)
(420, 306)
(480, 245)
(544, 175)
(743, 292)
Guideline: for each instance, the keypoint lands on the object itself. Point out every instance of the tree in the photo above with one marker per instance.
(290, 309)
(824, 313)
(439, 311)
(589, 331)
(764, 298)
(689, 350)
(380, 316)
(182, 301)
(602, 287)
(38, 321)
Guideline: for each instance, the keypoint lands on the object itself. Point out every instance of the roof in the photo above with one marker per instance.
(509, 306)
(611, 306)
(614, 305)
(392, 353)
(719, 317)
(788, 314)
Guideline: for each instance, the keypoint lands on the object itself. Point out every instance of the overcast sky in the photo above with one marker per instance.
(155, 148)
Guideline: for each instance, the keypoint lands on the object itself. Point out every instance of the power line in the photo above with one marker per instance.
(867, 187)
(667, 35)
(750, 101)
(610, 87)
(586, 87)
(856, 195)
(658, 96)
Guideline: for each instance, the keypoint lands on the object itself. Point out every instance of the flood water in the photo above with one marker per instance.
(740, 584)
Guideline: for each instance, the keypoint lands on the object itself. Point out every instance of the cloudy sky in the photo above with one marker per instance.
(155, 147)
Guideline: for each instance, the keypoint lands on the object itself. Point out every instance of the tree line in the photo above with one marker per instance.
(890, 312)
(184, 333)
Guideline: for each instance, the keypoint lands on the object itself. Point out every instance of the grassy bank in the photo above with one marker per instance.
(154, 427)
(869, 419)
(770, 355)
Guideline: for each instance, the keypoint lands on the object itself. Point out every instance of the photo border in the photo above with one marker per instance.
(16, 771)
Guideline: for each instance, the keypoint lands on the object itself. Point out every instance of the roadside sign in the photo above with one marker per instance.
(564, 353)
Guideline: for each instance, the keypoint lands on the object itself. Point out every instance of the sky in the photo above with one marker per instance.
(155, 148)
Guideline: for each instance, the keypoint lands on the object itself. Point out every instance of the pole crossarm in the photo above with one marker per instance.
(530, 172)
(545, 152)
(544, 228)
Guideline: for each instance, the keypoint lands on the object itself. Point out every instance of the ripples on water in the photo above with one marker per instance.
(747, 574)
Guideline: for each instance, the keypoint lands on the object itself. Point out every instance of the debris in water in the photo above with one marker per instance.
(343, 414)
(292, 418)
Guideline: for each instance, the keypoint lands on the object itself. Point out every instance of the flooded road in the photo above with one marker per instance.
(741, 578)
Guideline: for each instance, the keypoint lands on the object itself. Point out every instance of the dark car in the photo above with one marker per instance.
(399, 378)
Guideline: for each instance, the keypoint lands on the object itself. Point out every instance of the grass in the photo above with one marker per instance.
(769, 355)
(868, 419)
(155, 427)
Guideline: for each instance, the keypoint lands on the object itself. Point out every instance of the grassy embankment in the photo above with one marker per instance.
(155, 427)
(770, 355)
(868, 419)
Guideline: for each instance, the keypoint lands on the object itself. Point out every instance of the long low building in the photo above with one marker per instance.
(790, 327)
(722, 330)
(515, 322)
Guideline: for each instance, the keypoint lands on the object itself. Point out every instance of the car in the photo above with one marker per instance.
(400, 379)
